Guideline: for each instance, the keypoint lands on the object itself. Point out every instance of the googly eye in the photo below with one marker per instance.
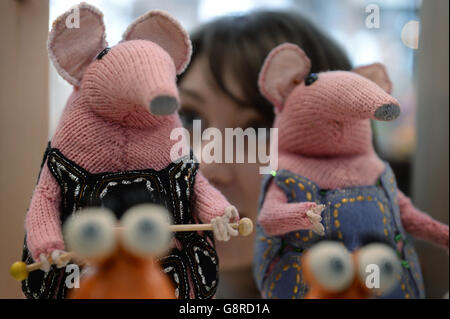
(90, 233)
(311, 78)
(146, 229)
(331, 265)
(378, 256)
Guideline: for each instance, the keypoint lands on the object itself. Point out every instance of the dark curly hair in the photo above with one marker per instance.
(241, 43)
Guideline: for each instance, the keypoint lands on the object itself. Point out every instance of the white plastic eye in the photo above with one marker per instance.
(331, 265)
(378, 256)
(146, 229)
(90, 233)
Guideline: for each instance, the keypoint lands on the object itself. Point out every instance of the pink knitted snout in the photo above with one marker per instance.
(132, 77)
(330, 117)
(325, 136)
(346, 96)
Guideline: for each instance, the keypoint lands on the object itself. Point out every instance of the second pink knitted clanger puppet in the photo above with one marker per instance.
(114, 138)
(330, 183)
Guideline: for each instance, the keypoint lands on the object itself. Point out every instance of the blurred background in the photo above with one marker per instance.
(410, 38)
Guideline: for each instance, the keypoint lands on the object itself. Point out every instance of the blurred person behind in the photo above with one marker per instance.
(220, 89)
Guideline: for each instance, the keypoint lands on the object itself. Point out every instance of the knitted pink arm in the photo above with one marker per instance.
(42, 223)
(278, 217)
(210, 203)
(420, 224)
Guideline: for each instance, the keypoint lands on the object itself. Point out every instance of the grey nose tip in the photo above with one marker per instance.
(387, 112)
(163, 105)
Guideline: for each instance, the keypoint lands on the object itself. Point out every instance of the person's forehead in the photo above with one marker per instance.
(199, 74)
(218, 106)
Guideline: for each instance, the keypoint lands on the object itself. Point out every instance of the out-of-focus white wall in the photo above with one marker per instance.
(344, 20)
(431, 159)
(23, 122)
(118, 14)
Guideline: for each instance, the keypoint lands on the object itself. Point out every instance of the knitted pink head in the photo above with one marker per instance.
(325, 114)
(118, 121)
(135, 78)
(325, 136)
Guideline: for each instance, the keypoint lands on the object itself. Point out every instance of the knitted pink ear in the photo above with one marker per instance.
(377, 73)
(285, 67)
(77, 36)
(160, 28)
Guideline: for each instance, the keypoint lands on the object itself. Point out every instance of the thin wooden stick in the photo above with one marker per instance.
(64, 257)
(245, 227)
(19, 270)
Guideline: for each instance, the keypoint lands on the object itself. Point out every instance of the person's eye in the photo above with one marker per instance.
(188, 117)
(257, 125)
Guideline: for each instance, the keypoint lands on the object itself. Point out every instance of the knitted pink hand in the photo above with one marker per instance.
(221, 225)
(278, 217)
(421, 225)
(209, 202)
(56, 260)
(314, 216)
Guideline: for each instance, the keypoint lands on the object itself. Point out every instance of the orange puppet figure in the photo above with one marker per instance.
(121, 261)
(332, 272)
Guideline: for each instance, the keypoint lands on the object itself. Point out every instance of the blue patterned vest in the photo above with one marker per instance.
(350, 215)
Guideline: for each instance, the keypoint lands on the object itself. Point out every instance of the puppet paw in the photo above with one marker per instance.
(222, 228)
(45, 264)
(56, 258)
(315, 219)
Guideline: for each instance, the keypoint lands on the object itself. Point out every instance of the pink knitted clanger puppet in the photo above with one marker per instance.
(330, 182)
(114, 139)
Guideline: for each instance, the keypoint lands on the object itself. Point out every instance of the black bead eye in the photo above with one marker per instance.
(103, 53)
(311, 78)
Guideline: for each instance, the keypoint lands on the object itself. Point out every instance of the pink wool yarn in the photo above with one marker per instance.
(325, 136)
(106, 125)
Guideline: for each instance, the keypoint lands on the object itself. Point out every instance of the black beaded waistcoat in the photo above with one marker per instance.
(172, 187)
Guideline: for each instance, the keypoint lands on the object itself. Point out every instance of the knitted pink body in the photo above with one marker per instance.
(325, 135)
(107, 125)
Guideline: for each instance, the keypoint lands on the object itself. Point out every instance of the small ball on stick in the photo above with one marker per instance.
(245, 226)
(19, 271)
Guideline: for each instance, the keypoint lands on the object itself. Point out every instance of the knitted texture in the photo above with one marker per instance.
(278, 217)
(325, 135)
(421, 225)
(107, 127)
(330, 118)
(72, 52)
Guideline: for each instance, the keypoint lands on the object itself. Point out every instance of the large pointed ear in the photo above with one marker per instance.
(159, 27)
(377, 73)
(77, 36)
(285, 67)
